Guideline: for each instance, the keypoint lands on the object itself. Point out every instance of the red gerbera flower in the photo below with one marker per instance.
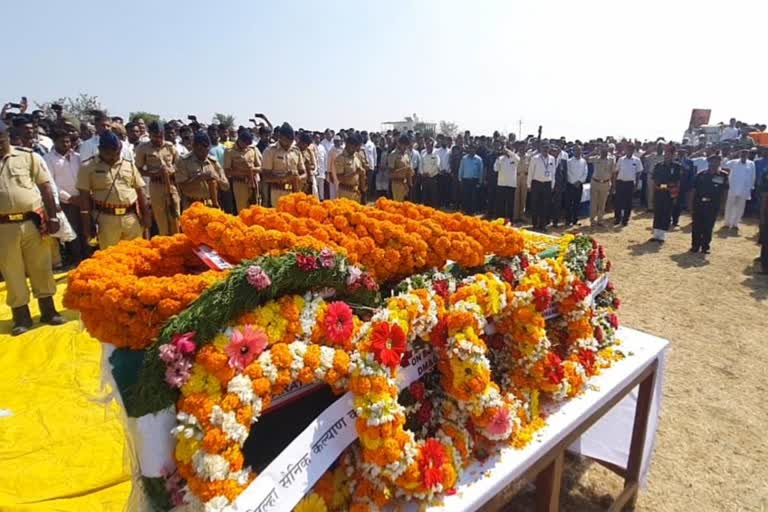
(439, 335)
(431, 465)
(587, 360)
(555, 372)
(338, 322)
(580, 291)
(388, 344)
(441, 288)
(542, 299)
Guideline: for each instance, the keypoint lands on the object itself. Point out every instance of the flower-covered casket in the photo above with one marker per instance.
(348, 357)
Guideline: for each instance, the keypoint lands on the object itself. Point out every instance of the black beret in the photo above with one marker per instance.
(109, 141)
(201, 139)
(286, 130)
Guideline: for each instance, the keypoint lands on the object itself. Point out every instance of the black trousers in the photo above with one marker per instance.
(662, 209)
(505, 202)
(678, 205)
(572, 202)
(445, 187)
(429, 188)
(622, 202)
(704, 217)
(468, 195)
(541, 202)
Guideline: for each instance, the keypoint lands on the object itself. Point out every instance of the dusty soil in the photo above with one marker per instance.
(712, 446)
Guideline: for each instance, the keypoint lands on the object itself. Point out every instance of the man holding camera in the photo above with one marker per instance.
(26, 198)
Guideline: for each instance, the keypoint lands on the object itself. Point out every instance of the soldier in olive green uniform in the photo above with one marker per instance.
(242, 163)
(156, 160)
(113, 188)
(25, 192)
(283, 165)
(401, 169)
(348, 172)
(199, 175)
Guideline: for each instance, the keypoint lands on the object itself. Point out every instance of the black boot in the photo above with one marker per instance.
(48, 313)
(22, 320)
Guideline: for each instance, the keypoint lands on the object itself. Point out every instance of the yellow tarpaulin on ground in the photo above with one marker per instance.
(62, 444)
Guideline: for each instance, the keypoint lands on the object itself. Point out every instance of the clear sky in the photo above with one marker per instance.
(580, 68)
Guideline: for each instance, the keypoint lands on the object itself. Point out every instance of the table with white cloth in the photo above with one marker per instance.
(614, 422)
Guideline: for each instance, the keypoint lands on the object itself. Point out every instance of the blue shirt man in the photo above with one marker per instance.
(470, 174)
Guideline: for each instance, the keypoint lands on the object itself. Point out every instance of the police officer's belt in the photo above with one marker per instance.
(17, 217)
(116, 210)
(351, 188)
(241, 179)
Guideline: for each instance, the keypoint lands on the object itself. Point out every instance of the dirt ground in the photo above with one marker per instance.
(712, 446)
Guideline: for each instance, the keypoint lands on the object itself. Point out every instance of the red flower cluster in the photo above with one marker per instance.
(542, 299)
(306, 262)
(338, 322)
(580, 291)
(388, 344)
(555, 372)
(508, 274)
(441, 288)
(431, 464)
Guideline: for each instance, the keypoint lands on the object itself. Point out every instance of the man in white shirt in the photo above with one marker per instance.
(322, 169)
(505, 167)
(63, 164)
(444, 178)
(628, 168)
(327, 142)
(90, 147)
(730, 132)
(741, 182)
(336, 149)
(577, 176)
(541, 181)
(430, 168)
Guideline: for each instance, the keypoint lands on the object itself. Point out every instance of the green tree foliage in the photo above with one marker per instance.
(225, 120)
(77, 109)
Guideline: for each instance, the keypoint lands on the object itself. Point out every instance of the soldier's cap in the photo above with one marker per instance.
(201, 139)
(354, 140)
(109, 141)
(286, 130)
(245, 136)
(155, 128)
(305, 138)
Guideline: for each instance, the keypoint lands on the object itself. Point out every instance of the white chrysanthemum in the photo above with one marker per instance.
(210, 467)
(217, 504)
(326, 357)
(242, 386)
(268, 369)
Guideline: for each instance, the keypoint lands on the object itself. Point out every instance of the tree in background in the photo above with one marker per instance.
(79, 109)
(148, 117)
(225, 120)
(449, 128)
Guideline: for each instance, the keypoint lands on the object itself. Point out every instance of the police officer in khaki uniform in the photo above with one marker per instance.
(113, 188)
(242, 163)
(25, 192)
(199, 175)
(157, 160)
(283, 166)
(348, 171)
(400, 168)
(366, 171)
(308, 185)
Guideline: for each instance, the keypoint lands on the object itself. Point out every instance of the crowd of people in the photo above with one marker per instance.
(121, 181)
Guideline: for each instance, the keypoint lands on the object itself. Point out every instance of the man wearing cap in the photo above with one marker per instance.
(708, 190)
(25, 193)
(157, 160)
(242, 164)
(600, 185)
(112, 187)
(348, 171)
(400, 169)
(283, 166)
(666, 177)
(199, 175)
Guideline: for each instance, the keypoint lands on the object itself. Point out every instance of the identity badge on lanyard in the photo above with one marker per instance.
(547, 172)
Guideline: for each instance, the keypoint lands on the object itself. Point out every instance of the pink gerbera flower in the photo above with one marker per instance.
(500, 422)
(245, 345)
(185, 343)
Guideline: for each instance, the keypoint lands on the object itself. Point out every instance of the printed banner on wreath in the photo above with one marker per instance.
(211, 258)
(293, 473)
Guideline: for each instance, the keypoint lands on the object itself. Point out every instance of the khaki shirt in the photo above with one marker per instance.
(604, 167)
(310, 161)
(20, 174)
(114, 185)
(348, 169)
(238, 162)
(399, 165)
(279, 163)
(189, 168)
(364, 160)
(150, 159)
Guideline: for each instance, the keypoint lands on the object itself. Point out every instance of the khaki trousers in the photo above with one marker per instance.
(23, 252)
(159, 200)
(114, 228)
(598, 198)
(275, 193)
(242, 195)
(348, 194)
(399, 191)
(521, 195)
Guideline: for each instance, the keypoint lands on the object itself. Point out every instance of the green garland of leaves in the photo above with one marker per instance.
(227, 300)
